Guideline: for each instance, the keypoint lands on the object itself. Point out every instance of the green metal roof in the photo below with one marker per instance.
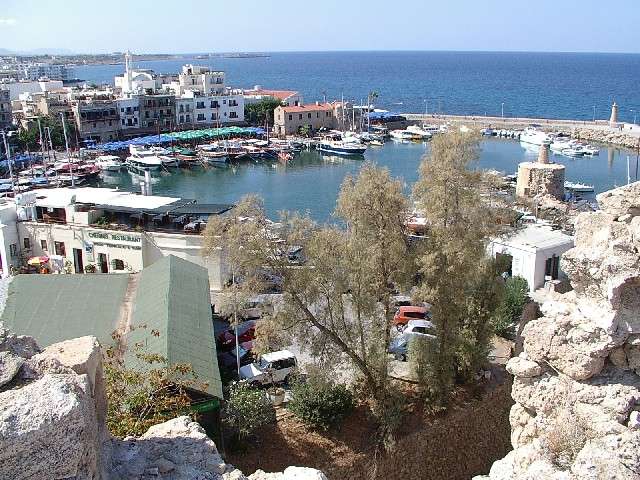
(53, 308)
(173, 299)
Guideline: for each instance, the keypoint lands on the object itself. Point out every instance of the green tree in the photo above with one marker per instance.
(457, 277)
(138, 398)
(261, 112)
(29, 138)
(516, 296)
(246, 410)
(339, 303)
(321, 403)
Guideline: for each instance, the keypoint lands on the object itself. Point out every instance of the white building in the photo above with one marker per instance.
(105, 230)
(137, 81)
(16, 88)
(211, 110)
(534, 253)
(129, 109)
(198, 79)
(36, 71)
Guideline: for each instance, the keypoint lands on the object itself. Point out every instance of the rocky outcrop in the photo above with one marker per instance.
(52, 424)
(577, 380)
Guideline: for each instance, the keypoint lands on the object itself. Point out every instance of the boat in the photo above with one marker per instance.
(341, 147)
(487, 132)
(149, 159)
(578, 187)
(404, 135)
(533, 136)
(376, 143)
(572, 152)
(422, 133)
(109, 163)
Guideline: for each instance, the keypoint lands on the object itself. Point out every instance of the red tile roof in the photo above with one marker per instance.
(279, 94)
(308, 108)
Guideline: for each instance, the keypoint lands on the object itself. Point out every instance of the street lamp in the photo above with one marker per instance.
(594, 114)
(502, 110)
(634, 116)
(426, 107)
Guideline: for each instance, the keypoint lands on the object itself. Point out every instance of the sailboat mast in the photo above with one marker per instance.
(66, 144)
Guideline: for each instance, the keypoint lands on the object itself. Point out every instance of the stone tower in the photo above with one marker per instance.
(541, 177)
(613, 121)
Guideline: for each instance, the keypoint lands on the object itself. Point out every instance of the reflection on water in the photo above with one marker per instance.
(311, 181)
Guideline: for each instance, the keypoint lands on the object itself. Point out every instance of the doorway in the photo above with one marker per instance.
(552, 267)
(102, 262)
(77, 260)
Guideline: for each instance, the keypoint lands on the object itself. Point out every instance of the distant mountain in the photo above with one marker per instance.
(37, 51)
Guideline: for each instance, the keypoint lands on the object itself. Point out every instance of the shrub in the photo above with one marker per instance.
(516, 296)
(321, 404)
(247, 409)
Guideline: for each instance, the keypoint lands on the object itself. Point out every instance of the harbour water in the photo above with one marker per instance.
(310, 183)
(532, 85)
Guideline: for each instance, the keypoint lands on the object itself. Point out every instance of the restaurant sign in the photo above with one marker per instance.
(115, 238)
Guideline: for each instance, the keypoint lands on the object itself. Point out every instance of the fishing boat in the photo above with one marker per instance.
(143, 160)
(339, 147)
(109, 163)
(578, 187)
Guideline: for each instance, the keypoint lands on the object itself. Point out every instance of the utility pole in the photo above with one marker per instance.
(66, 143)
(6, 149)
(44, 161)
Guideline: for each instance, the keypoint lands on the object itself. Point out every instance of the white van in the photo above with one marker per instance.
(274, 367)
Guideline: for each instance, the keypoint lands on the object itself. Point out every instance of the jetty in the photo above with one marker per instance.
(604, 131)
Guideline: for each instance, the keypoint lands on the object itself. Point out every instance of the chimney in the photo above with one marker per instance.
(543, 156)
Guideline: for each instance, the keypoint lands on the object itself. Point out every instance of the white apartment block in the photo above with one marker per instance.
(211, 110)
(198, 79)
(129, 110)
(36, 71)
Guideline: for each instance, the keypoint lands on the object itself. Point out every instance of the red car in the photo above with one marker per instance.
(246, 333)
(407, 313)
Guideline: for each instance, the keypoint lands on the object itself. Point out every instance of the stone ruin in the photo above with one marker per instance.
(577, 381)
(52, 424)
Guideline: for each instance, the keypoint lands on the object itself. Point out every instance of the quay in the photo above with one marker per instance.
(621, 134)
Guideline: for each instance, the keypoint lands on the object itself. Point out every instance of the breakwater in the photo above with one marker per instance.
(627, 135)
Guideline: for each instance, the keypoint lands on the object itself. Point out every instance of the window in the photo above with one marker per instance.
(13, 250)
(181, 108)
(188, 118)
(290, 117)
(27, 243)
(117, 264)
(43, 245)
(317, 114)
(181, 118)
(214, 116)
(59, 248)
(129, 122)
(224, 102)
(135, 120)
(309, 115)
(122, 110)
(201, 117)
(146, 114)
(233, 114)
(123, 121)
(300, 117)
(200, 105)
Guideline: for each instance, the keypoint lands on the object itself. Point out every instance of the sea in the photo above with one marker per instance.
(535, 85)
(577, 86)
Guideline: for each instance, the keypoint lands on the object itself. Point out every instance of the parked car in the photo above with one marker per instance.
(399, 346)
(228, 359)
(407, 313)
(275, 367)
(246, 333)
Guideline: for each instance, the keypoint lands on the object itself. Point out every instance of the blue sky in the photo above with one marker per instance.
(299, 25)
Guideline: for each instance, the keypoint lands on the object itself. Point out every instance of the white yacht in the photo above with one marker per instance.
(533, 136)
(404, 135)
(578, 187)
(424, 134)
(341, 147)
(109, 163)
(153, 158)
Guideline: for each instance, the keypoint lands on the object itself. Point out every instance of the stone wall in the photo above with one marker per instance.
(576, 383)
(52, 424)
(540, 179)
